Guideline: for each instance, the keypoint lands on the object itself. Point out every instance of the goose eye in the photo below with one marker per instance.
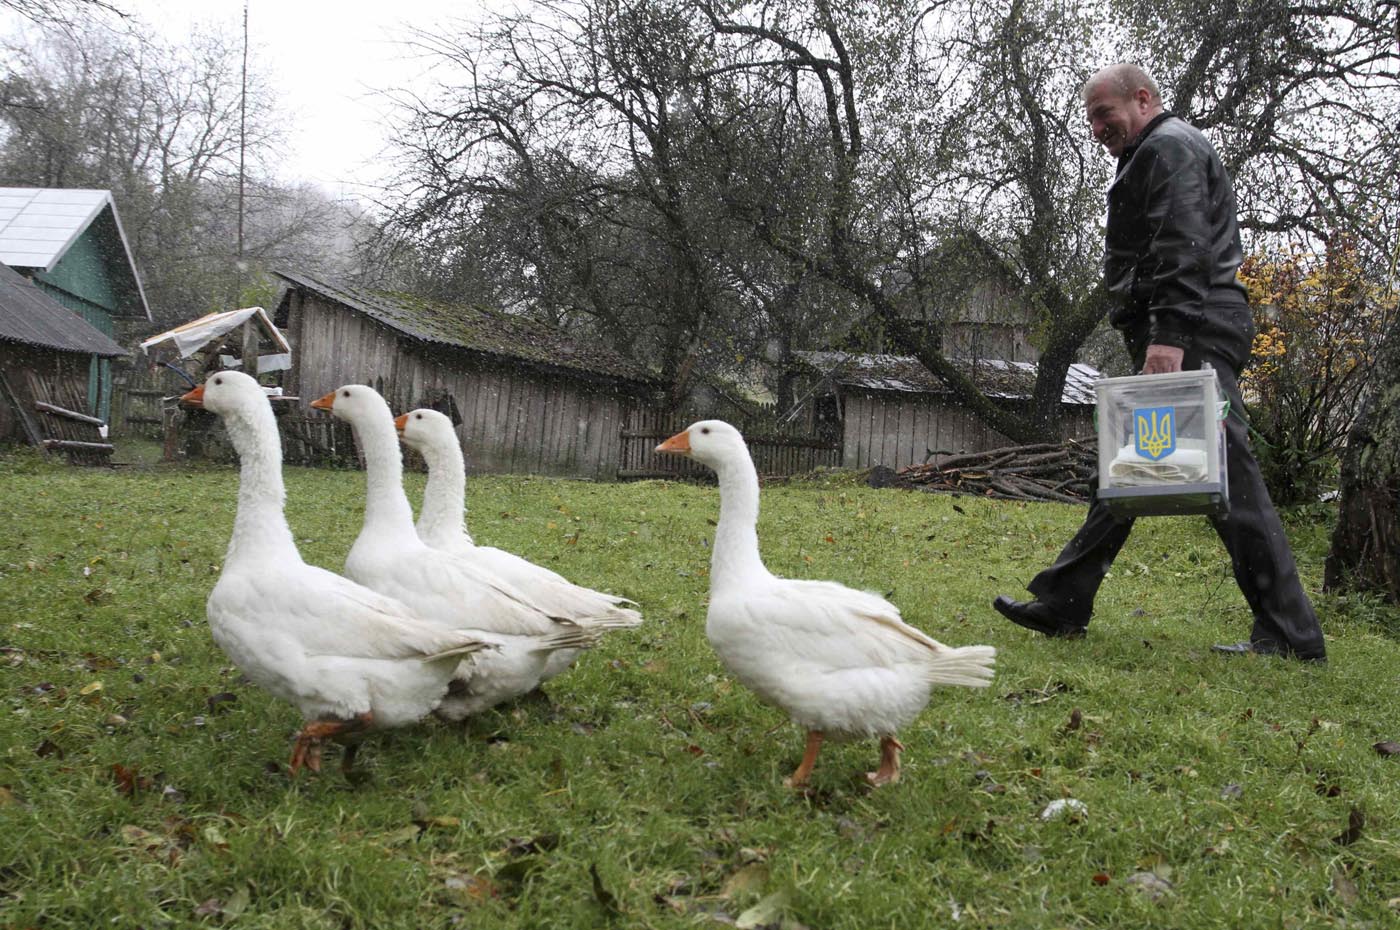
(705, 430)
(418, 416)
(345, 394)
(218, 380)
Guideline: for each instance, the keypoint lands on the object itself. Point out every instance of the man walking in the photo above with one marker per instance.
(1172, 250)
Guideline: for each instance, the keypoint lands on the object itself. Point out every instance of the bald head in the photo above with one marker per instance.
(1123, 80)
(1120, 101)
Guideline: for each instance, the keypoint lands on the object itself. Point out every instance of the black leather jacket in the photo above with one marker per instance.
(1173, 245)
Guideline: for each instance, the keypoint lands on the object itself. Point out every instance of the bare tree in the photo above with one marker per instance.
(67, 13)
(635, 152)
(158, 124)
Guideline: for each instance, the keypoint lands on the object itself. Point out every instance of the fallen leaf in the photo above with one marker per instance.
(1356, 822)
(129, 780)
(48, 748)
(750, 879)
(1061, 806)
(92, 688)
(441, 822)
(1150, 884)
(7, 797)
(217, 702)
(403, 835)
(1076, 718)
(1231, 792)
(1345, 889)
(1387, 748)
(1326, 787)
(1102, 878)
(150, 842)
(768, 909)
(237, 902)
(209, 908)
(215, 837)
(472, 889)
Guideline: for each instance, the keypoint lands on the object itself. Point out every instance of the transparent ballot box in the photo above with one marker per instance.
(1162, 444)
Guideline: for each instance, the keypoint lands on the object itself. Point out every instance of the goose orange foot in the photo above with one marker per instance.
(798, 779)
(306, 752)
(888, 772)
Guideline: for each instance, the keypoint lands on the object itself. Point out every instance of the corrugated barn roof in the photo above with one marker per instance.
(996, 377)
(30, 316)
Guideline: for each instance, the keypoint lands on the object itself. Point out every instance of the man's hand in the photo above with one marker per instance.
(1162, 360)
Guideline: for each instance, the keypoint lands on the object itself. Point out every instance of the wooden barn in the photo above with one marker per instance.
(45, 359)
(71, 245)
(528, 398)
(894, 412)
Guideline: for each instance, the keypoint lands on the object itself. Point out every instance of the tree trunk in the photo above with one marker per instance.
(1365, 553)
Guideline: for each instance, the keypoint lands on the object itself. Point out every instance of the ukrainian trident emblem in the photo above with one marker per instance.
(1154, 436)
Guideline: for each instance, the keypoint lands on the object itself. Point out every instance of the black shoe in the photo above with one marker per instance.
(1033, 615)
(1264, 648)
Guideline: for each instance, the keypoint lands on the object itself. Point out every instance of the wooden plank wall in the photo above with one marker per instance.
(514, 420)
(895, 430)
(57, 378)
(777, 451)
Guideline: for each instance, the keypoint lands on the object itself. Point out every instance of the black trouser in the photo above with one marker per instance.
(1252, 534)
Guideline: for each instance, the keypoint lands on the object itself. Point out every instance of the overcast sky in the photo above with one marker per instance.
(326, 59)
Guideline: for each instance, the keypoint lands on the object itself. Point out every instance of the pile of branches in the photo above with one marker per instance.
(1047, 471)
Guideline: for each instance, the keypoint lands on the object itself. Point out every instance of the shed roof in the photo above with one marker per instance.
(39, 224)
(476, 329)
(199, 334)
(996, 377)
(30, 316)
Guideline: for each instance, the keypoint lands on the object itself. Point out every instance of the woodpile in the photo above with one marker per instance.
(1048, 471)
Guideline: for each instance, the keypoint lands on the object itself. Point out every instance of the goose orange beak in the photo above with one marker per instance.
(194, 398)
(400, 422)
(678, 444)
(325, 403)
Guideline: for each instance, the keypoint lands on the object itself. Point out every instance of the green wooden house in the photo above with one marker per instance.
(70, 243)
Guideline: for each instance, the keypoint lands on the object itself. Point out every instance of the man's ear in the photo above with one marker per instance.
(1143, 98)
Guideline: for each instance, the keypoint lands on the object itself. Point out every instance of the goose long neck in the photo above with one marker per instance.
(736, 557)
(444, 515)
(260, 528)
(387, 511)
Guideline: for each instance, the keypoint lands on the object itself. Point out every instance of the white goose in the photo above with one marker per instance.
(840, 662)
(442, 525)
(346, 657)
(441, 587)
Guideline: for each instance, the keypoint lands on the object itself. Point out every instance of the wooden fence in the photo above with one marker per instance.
(777, 450)
(138, 394)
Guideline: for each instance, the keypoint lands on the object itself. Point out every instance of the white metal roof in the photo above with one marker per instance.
(39, 224)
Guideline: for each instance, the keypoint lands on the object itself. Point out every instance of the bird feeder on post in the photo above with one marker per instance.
(204, 345)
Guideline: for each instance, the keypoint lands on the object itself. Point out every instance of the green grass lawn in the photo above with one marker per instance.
(142, 783)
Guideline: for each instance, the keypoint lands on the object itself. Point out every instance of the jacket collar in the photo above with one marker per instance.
(1131, 149)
